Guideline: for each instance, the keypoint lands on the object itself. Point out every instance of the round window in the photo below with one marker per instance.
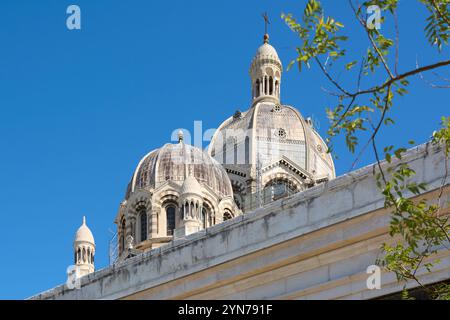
(280, 133)
(277, 108)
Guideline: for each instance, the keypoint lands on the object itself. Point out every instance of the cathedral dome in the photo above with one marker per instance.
(84, 234)
(182, 164)
(271, 141)
(280, 132)
(175, 190)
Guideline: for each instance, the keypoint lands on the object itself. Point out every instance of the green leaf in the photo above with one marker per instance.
(350, 65)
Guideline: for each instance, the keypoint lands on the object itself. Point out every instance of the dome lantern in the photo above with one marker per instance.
(84, 249)
(265, 73)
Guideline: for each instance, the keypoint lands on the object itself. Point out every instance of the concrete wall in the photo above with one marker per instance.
(314, 245)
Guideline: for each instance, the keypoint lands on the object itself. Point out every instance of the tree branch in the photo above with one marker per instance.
(443, 17)
(372, 41)
(402, 76)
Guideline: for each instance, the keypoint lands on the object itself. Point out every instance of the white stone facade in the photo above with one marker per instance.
(316, 244)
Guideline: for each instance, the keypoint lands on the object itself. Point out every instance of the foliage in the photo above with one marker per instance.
(417, 227)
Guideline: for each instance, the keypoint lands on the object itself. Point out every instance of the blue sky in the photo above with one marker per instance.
(78, 109)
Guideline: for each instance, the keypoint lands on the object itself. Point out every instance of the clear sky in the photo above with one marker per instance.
(78, 109)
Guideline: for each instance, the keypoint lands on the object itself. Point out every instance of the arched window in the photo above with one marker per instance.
(277, 92)
(277, 189)
(89, 255)
(170, 218)
(78, 255)
(227, 216)
(84, 255)
(204, 218)
(143, 224)
(257, 89)
(265, 85)
(270, 85)
(247, 150)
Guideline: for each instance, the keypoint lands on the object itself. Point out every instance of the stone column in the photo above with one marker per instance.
(132, 227)
(149, 224)
(154, 222)
(259, 88)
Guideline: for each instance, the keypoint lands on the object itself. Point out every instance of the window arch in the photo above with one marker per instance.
(192, 209)
(143, 225)
(279, 188)
(204, 218)
(265, 85)
(257, 89)
(209, 216)
(227, 215)
(270, 85)
(170, 219)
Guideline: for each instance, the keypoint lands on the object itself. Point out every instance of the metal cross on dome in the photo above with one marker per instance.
(266, 21)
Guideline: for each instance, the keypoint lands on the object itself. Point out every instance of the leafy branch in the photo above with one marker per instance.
(421, 226)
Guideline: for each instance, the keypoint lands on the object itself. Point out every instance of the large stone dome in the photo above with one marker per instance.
(176, 163)
(175, 190)
(275, 132)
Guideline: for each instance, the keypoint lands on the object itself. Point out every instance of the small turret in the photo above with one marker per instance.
(84, 250)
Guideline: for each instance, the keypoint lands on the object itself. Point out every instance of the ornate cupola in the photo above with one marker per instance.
(84, 250)
(191, 205)
(269, 151)
(265, 73)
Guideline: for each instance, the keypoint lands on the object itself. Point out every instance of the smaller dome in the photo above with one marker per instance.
(84, 234)
(191, 185)
(172, 162)
(267, 50)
